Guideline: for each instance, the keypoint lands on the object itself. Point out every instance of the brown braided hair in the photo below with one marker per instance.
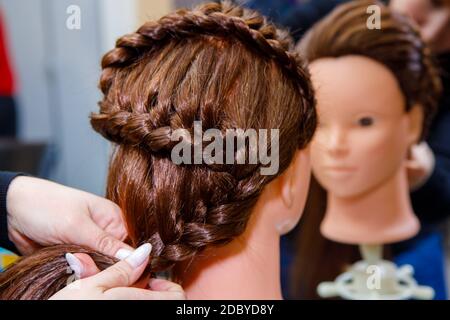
(220, 64)
(147, 127)
(187, 209)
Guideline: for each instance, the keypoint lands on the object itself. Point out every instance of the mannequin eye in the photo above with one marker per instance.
(366, 121)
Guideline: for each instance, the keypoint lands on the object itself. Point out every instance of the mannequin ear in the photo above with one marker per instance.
(415, 116)
(295, 178)
(286, 185)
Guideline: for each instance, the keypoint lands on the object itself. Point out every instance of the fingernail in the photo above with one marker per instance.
(74, 264)
(123, 253)
(139, 255)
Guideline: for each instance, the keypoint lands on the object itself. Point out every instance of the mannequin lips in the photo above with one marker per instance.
(339, 171)
(340, 168)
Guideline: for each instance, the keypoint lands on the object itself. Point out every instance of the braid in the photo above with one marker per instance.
(206, 228)
(213, 19)
(132, 128)
(223, 65)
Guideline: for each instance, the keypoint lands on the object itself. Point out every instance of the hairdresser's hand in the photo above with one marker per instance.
(420, 165)
(115, 282)
(43, 213)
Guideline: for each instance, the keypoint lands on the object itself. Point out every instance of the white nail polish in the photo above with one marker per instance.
(74, 264)
(123, 253)
(139, 255)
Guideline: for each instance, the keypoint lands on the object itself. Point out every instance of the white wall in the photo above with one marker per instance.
(58, 71)
(152, 10)
(187, 3)
(117, 17)
(24, 24)
(75, 57)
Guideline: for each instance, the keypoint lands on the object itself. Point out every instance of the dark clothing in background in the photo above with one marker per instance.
(304, 16)
(8, 117)
(277, 11)
(432, 202)
(297, 15)
(5, 180)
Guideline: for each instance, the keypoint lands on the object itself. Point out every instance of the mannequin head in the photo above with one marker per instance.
(397, 56)
(218, 64)
(360, 142)
(230, 69)
(377, 91)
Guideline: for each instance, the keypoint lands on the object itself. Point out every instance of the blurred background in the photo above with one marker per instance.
(53, 74)
(50, 52)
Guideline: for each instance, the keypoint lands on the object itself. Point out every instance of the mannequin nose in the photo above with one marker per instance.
(337, 145)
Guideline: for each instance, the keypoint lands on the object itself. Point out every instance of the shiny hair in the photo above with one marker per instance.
(220, 64)
(45, 272)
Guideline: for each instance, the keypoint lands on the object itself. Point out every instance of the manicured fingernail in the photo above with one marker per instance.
(74, 264)
(139, 255)
(123, 253)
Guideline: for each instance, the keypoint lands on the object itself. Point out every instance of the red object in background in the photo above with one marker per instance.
(6, 74)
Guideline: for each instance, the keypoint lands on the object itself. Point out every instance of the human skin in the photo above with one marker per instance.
(434, 22)
(118, 281)
(44, 213)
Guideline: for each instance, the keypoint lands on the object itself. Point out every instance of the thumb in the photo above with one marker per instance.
(92, 236)
(124, 273)
(164, 285)
(83, 263)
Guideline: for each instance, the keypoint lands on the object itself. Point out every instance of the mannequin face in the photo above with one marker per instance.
(364, 132)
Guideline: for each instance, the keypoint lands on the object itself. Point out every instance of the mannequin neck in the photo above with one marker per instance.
(382, 215)
(247, 268)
